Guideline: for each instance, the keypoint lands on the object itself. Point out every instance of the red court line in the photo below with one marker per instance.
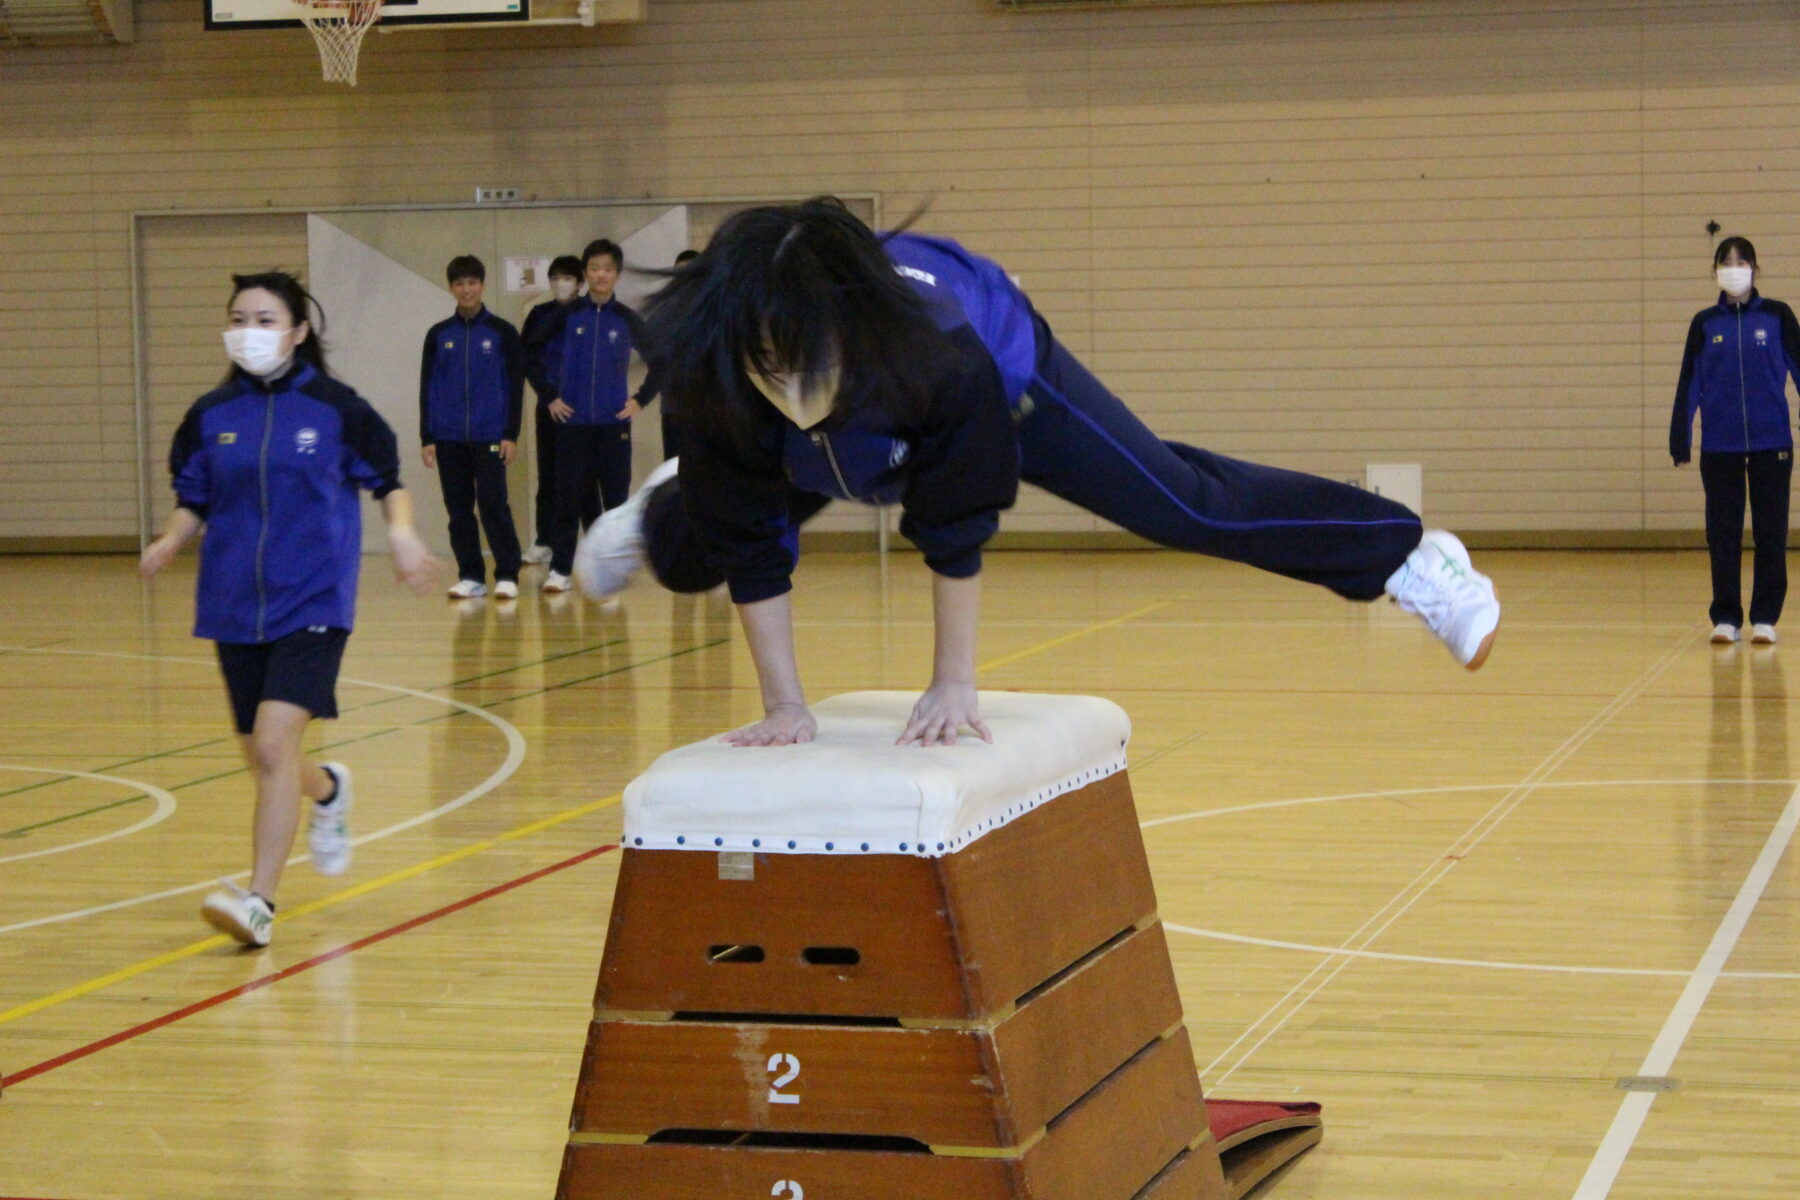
(200, 1006)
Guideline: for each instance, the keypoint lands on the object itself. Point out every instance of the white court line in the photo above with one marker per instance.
(165, 805)
(1554, 581)
(1382, 793)
(1484, 964)
(515, 755)
(1416, 889)
(1603, 1171)
(1433, 960)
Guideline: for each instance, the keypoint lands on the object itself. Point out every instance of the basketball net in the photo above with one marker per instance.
(338, 26)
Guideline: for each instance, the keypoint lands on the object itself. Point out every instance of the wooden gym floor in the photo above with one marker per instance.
(1456, 909)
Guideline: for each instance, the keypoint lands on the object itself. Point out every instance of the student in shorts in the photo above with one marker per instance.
(269, 465)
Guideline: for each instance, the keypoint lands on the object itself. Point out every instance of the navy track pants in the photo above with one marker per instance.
(1770, 475)
(474, 478)
(1078, 441)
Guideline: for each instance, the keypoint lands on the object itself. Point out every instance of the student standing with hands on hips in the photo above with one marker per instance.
(269, 464)
(1734, 372)
(471, 388)
(591, 351)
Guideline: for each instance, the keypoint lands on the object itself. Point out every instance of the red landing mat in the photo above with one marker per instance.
(1256, 1138)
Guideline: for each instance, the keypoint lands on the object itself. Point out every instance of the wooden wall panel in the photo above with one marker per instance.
(1464, 234)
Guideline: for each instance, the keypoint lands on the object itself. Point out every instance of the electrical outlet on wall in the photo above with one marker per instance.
(487, 195)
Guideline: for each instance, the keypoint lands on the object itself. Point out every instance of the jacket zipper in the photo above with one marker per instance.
(1743, 387)
(468, 405)
(823, 441)
(594, 371)
(262, 535)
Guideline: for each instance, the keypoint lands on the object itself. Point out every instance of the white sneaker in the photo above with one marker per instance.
(328, 834)
(1762, 635)
(612, 549)
(1724, 635)
(468, 589)
(537, 556)
(239, 914)
(1438, 584)
(506, 589)
(554, 582)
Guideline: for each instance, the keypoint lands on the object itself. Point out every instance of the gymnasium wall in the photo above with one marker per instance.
(1466, 234)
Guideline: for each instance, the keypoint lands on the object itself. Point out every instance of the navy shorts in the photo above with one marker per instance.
(301, 668)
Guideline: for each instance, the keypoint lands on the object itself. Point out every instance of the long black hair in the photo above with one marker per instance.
(804, 288)
(301, 306)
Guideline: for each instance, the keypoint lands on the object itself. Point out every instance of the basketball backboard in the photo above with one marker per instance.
(281, 14)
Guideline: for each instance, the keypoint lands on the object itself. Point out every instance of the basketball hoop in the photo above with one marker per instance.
(338, 26)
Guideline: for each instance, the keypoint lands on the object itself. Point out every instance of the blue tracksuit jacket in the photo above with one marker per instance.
(471, 381)
(591, 351)
(966, 289)
(273, 468)
(543, 352)
(1734, 373)
(953, 472)
(858, 463)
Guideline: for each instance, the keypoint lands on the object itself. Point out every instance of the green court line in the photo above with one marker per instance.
(598, 675)
(1138, 764)
(22, 830)
(130, 762)
(537, 663)
(35, 646)
(44, 783)
(370, 736)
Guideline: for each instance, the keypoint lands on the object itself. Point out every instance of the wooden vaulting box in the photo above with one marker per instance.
(855, 970)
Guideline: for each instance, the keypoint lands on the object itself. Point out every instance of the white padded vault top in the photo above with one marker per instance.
(852, 791)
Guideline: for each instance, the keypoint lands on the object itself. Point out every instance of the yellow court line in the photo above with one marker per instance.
(405, 873)
(103, 981)
(301, 910)
(1066, 638)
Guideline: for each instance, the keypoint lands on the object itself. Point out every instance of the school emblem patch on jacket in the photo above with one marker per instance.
(306, 441)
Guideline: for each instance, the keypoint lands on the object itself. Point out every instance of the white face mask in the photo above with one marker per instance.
(259, 351)
(803, 399)
(1735, 281)
(565, 288)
